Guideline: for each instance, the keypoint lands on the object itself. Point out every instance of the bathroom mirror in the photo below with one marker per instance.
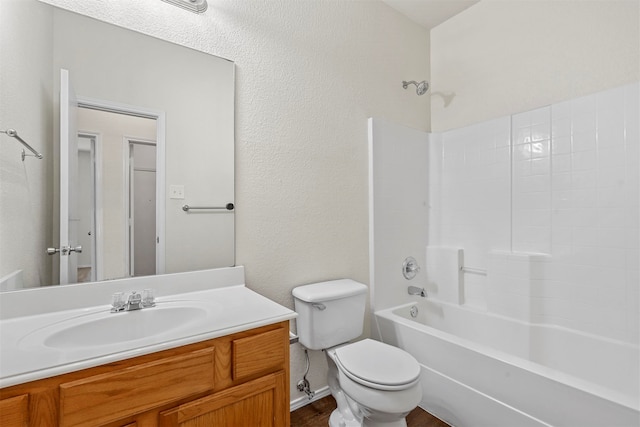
(188, 96)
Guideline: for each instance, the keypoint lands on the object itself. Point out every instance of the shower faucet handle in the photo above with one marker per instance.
(410, 268)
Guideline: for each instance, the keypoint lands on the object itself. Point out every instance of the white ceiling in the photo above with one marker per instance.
(430, 13)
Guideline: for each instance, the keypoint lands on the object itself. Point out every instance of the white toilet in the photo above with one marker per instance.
(374, 384)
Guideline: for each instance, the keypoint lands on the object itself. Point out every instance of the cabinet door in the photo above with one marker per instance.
(14, 411)
(258, 403)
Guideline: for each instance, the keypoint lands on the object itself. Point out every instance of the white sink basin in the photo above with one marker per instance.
(105, 328)
(124, 326)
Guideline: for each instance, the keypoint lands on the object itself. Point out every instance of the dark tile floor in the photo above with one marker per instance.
(316, 414)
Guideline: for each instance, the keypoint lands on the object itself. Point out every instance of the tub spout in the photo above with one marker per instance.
(414, 290)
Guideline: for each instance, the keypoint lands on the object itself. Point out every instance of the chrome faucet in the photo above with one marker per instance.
(135, 301)
(414, 290)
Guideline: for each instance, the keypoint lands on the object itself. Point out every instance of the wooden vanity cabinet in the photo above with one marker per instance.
(236, 380)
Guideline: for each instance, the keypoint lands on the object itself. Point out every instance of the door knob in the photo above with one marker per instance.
(52, 251)
(65, 250)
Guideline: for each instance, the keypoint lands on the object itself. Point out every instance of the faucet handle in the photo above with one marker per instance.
(148, 298)
(117, 302)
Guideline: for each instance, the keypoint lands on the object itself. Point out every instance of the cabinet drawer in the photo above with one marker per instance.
(108, 397)
(14, 412)
(260, 353)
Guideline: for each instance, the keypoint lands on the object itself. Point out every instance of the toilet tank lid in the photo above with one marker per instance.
(330, 290)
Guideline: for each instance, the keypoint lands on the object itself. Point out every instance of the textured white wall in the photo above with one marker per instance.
(502, 57)
(308, 75)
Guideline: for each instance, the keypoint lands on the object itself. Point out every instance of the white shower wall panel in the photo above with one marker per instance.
(475, 188)
(531, 181)
(399, 206)
(594, 199)
(471, 207)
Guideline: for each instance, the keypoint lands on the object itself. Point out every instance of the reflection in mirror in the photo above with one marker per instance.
(124, 227)
(117, 195)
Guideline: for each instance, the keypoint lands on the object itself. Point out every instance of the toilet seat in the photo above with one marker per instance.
(378, 365)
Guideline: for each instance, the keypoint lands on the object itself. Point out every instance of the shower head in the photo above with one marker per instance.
(421, 88)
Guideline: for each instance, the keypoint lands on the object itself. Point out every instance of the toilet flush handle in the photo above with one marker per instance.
(318, 305)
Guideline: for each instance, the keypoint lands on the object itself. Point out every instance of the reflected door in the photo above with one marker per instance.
(87, 207)
(68, 180)
(142, 208)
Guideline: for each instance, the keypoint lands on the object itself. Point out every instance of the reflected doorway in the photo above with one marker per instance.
(116, 187)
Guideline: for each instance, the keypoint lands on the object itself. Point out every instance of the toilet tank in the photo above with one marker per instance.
(329, 313)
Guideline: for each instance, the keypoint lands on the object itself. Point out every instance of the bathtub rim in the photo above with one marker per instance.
(613, 396)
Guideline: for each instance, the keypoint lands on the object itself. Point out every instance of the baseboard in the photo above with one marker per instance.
(304, 401)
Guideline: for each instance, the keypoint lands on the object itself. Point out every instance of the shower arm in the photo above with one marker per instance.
(421, 87)
(412, 82)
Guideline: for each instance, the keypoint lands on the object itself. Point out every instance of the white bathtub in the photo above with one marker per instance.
(480, 369)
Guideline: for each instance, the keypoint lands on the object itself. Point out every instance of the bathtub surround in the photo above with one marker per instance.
(552, 216)
(532, 232)
(541, 207)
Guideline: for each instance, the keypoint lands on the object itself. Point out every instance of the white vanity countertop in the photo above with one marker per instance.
(24, 356)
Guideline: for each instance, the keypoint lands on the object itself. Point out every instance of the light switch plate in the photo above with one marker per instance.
(176, 191)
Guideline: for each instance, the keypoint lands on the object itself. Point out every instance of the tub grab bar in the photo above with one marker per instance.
(470, 270)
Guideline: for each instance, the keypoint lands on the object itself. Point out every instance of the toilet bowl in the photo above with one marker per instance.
(374, 384)
(380, 383)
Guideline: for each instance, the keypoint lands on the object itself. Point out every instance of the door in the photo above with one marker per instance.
(142, 208)
(258, 403)
(87, 207)
(68, 179)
